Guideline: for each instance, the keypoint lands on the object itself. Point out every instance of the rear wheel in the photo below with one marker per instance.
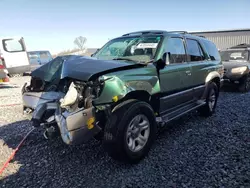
(245, 84)
(211, 100)
(130, 132)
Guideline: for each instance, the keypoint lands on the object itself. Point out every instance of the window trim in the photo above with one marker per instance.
(202, 49)
(206, 44)
(184, 45)
(4, 47)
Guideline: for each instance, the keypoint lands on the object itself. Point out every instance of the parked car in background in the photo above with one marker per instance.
(14, 55)
(38, 58)
(132, 86)
(236, 61)
(4, 78)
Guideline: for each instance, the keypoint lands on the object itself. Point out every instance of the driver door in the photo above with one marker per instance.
(175, 78)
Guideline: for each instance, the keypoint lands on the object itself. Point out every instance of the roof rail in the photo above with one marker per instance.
(145, 32)
(184, 32)
(243, 45)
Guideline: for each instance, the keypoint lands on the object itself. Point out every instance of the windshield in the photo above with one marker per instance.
(136, 48)
(229, 55)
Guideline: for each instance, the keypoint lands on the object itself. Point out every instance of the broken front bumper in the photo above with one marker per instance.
(31, 100)
(77, 127)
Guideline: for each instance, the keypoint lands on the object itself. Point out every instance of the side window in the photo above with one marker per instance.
(194, 51)
(175, 47)
(12, 45)
(212, 50)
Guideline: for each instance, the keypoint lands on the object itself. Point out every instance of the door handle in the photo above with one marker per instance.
(188, 73)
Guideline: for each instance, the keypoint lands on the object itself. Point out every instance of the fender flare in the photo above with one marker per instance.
(212, 75)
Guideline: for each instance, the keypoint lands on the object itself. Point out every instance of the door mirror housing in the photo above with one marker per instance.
(166, 58)
(163, 61)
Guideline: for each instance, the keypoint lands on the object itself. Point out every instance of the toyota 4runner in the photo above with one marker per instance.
(121, 95)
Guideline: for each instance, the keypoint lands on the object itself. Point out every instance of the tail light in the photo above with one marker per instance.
(6, 79)
(1, 62)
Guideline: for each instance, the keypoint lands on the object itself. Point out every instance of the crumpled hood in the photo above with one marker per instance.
(235, 64)
(80, 68)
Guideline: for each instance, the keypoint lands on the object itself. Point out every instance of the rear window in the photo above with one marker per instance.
(32, 55)
(13, 45)
(45, 55)
(234, 55)
(212, 50)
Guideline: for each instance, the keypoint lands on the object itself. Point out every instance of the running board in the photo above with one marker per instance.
(181, 111)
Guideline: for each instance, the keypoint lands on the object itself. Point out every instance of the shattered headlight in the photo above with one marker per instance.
(97, 86)
(240, 70)
(70, 97)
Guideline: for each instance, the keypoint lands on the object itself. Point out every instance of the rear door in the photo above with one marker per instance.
(200, 66)
(175, 78)
(197, 60)
(14, 52)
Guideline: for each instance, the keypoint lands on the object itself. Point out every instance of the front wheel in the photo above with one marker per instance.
(245, 84)
(130, 132)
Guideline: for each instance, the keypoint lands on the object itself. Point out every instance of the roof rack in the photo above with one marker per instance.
(145, 32)
(201, 36)
(184, 32)
(153, 32)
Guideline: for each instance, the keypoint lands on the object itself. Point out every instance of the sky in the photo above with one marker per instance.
(54, 24)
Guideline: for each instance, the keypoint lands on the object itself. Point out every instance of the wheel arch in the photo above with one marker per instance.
(215, 77)
(139, 95)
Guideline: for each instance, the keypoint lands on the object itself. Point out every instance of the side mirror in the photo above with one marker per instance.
(166, 58)
(161, 63)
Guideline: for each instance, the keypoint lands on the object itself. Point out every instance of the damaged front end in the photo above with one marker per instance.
(76, 117)
(67, 96)
(68, 113)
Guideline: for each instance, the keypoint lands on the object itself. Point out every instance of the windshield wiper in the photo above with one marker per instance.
(120, 58)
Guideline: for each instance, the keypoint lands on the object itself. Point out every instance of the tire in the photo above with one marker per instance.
(245, 84)
(211, 100)
(121, 141)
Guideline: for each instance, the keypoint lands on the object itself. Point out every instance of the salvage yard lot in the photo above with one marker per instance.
(192, 151)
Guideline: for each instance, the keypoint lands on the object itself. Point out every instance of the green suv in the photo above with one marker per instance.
(121, 95)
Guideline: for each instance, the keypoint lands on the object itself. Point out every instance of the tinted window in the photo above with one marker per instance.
(12, 45)
(194, 51)
(177, 50)
(239, 55)
(212, 50)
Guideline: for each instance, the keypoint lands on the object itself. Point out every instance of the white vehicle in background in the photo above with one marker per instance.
(14, 55)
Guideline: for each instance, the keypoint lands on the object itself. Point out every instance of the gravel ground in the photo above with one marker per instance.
(191, 152)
